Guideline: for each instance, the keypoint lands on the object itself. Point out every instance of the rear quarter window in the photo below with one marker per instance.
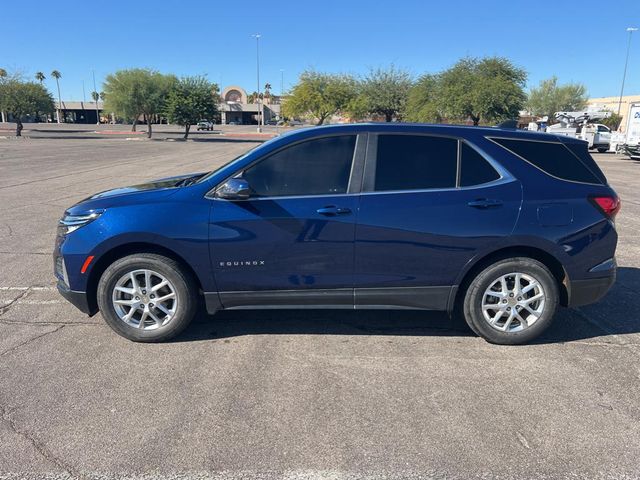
(556, 159)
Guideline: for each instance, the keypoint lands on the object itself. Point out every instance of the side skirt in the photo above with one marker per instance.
(411, 298)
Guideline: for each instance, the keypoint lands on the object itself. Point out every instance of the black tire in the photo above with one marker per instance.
(602, 150)
(473, 298)
(182, 283)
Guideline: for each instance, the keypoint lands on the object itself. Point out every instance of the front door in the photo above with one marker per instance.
(292, 241)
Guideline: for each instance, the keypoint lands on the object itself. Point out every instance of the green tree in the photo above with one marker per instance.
(320, 95)
(135, 92)
(3, 73)
(190, 100)
(24, 98)
(385, 91)
(485, 90)
(549, 97)
(57, 75)
(422, 101)
(40, 77)
(613, 122)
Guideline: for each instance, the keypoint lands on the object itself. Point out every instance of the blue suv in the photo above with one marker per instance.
(496, 226)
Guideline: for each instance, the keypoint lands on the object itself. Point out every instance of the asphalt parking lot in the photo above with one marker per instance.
(294, 394)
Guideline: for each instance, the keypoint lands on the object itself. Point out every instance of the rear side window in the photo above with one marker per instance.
(581, 150)
(474, 169)
(415, 162)
(316, 167)
(551, 157)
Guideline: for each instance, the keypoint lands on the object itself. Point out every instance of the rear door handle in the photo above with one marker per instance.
(485, 203)
(332, 211)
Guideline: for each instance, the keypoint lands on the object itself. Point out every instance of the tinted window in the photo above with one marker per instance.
(551, 157)
(316, 167)
(474, 169)
(581, 150)
(415, 162)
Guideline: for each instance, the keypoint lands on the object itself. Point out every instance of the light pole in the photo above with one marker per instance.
(626, 61)
(97, 97)
(281, 84)
(257, 37)
(84, 101)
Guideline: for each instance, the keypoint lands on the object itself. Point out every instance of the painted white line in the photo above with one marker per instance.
(38, 302)
(35, 289)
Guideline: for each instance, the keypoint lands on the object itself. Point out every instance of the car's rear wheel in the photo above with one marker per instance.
(147, 297)
(512, 301)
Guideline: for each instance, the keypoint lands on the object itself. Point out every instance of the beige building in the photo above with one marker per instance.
(237, 108)
(611, 104)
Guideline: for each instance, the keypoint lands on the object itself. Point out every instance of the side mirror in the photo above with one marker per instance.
(234, 189)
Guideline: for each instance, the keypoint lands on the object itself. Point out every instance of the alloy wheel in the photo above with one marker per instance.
(513, 302)
(144, 299)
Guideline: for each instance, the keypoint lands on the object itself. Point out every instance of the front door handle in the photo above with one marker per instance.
(485, 203)
(332, 211)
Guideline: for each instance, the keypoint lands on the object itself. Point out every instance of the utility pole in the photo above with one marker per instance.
(84, 101)
(626, 61)
(97, 97)
(257, 37)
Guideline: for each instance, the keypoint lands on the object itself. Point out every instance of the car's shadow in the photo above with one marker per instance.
(613, 315)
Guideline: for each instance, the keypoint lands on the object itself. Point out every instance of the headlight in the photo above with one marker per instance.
(70, 223)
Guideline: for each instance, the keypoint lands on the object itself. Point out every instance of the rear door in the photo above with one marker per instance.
(429, 205)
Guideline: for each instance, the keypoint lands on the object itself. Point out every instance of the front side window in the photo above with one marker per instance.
(316, 167)
(415, 162)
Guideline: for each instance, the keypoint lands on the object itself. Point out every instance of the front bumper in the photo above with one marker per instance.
(80, 300)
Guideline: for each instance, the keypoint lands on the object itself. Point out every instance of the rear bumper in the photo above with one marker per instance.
(79, 300)
(584, 292)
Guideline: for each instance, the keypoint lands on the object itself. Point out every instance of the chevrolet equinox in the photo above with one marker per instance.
(496, 226)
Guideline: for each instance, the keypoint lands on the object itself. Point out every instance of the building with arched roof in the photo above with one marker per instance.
(238, 107)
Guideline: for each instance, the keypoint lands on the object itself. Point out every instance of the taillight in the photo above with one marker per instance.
(607, 204)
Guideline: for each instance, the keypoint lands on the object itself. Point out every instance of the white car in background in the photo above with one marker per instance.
(205, 125)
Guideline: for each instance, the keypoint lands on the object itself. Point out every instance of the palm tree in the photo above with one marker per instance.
(56, 74)
(267, 92)
(40, 77)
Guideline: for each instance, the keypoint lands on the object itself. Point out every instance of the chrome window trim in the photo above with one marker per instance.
(287, 197)
(493, 183)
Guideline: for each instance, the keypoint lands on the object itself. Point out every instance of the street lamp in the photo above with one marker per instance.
(257, 37)
(97, 97)
(281, 84)
(626, 61)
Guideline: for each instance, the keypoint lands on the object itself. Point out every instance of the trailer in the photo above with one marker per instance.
(628, 143)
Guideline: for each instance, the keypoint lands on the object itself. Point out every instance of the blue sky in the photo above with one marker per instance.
(214, 38)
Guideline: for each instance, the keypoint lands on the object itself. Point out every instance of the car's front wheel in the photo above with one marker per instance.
(512, 301)
(147, 297)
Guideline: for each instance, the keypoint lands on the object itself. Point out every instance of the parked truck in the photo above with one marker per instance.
(580, 125)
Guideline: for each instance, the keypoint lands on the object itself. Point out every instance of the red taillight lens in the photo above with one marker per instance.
(607, 204)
